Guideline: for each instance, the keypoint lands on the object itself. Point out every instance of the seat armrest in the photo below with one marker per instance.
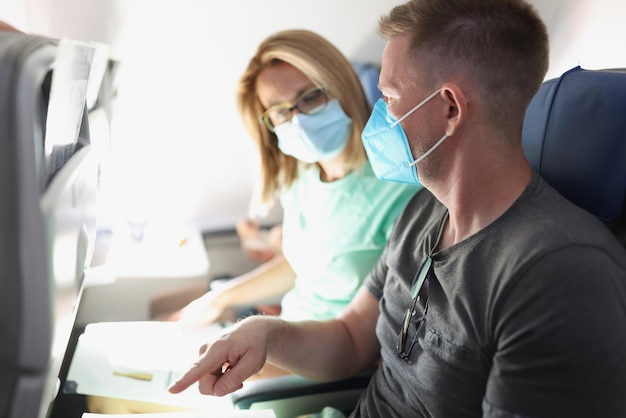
(291, 396)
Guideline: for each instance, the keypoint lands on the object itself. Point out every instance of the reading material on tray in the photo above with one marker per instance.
(138, 360)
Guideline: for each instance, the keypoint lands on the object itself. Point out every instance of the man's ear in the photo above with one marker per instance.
(457, 106)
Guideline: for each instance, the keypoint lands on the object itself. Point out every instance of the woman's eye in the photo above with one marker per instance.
(311, 98)
(280, 115)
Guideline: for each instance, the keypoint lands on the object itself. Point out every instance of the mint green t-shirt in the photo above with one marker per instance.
(333, 234)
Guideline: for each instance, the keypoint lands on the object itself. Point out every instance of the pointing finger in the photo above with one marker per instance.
(200, 369)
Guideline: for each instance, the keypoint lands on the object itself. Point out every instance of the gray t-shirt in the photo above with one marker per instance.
(525, 318)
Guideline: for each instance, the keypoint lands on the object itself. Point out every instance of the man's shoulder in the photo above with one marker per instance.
(543, 221)
(555, 212)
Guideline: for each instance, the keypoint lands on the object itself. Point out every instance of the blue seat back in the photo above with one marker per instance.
(574, 136)
(369, 75)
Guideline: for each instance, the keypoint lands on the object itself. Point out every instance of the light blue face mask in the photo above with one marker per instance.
(316, 137)
(387, 146)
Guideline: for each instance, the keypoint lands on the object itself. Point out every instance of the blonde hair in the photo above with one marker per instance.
(324, 65)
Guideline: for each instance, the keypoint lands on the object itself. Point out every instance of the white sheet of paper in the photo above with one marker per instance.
(139, 360)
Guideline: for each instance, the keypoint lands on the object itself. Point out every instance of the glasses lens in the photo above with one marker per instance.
(309, 103)
(312, 101)
(278, 115)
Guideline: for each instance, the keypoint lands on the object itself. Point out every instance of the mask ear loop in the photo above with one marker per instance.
(407, 114)
(427, 153)
(420, 104)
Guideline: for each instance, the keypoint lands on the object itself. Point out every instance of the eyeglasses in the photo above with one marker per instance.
(310, 102)
(402, 348)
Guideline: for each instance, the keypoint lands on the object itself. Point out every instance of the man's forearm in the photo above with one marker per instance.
(318, 350)
(332, 349)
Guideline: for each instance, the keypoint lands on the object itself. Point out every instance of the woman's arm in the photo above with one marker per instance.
(271, 279)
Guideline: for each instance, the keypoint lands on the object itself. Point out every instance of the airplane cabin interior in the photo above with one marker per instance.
(125, 169)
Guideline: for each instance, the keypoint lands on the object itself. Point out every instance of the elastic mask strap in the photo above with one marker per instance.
(427, 153)
(420, 104)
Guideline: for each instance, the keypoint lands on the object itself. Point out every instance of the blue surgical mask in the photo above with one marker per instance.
(317, 137)
(387, 146)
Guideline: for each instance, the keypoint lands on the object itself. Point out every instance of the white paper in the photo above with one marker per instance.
(139, 360)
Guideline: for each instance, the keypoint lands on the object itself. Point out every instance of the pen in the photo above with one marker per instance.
(135, 375)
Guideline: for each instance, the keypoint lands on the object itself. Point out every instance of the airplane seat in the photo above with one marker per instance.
(47, 216)
(295, 396)
(574, 135)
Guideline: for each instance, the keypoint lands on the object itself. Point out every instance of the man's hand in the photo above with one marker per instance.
(226, 363)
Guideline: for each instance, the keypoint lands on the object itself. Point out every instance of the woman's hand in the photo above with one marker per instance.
(203, 311)
(260, 245)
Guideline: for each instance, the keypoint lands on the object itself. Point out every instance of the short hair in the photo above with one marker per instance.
(501, 44)
(324, 65)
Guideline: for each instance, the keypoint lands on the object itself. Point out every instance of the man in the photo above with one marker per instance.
(495, 296)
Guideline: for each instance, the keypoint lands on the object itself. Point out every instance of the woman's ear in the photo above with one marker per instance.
(457, 106)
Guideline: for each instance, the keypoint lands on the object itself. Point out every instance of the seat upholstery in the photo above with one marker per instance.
(24, 346)
(574, 136)
(368, 75)
(48, 191)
